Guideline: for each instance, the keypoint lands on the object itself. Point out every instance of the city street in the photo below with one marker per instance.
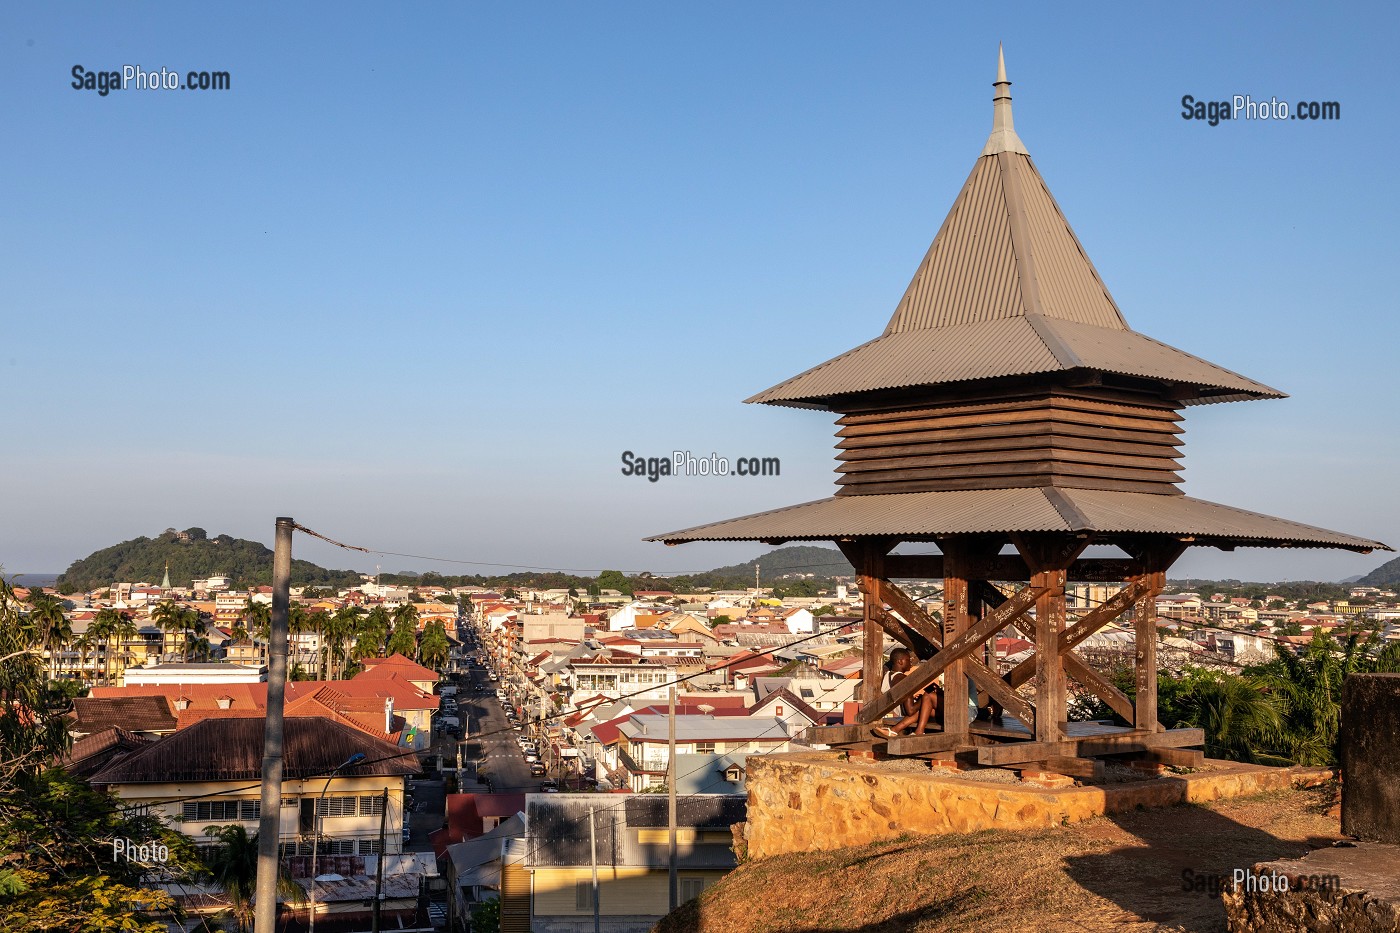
(489, 740)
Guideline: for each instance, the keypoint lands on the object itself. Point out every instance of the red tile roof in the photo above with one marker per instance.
(397, 663)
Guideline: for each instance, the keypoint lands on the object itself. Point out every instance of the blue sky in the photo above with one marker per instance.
(424, 272)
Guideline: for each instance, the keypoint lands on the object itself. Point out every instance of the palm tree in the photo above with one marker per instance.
(104, 626)
(372, 634)
(124, 629)
(345, 626)
(50, 628)
(434, 650)
(1240, 719)
(170, 619)
(297, 625)
(404, 640)
(316, 622)
(193, 627)
(234, 867)
(84, 644)
(257, 618)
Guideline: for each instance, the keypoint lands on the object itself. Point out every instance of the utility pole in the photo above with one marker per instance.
(593, 846)
(379, 867)
(671, 793)
(270, 818)
(756, 568)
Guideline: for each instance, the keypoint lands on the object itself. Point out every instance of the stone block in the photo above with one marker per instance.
(1344, 889)
(1371, 757)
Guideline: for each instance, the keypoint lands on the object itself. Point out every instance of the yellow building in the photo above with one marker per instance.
(209, 775)
(629, 835)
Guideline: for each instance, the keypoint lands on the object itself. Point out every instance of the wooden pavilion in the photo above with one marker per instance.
(1009, 415)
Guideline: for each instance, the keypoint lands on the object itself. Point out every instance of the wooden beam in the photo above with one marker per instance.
(1089, 745)
(1082, 629)
(988, 682)
(1098, 685)
(908, 610)
(894, 628)
(1176, 757)
(1089, 769)
(914, 566)
(925, 673)
(1008, 568)
(836, 735)
(923, 744)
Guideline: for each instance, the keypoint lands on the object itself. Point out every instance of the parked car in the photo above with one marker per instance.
(536, 769)
(531, 756)
(550, 787)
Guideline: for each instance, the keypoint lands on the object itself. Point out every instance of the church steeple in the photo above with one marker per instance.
(165, 581)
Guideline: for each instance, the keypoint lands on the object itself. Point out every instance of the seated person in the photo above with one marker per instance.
(930, 709)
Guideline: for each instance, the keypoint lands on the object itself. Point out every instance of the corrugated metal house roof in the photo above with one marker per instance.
(927, 515)
(231, 750)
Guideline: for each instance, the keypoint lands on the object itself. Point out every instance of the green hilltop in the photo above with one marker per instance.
(190, 554)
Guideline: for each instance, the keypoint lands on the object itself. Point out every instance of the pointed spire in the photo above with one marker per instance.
(1003, 138)
(165, 583)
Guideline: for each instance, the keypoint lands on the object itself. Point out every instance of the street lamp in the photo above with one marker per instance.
(316, 838)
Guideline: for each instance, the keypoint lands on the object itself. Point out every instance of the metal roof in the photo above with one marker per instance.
(1009, 347)
(926, 515)
(232, 750)
(1006, 289)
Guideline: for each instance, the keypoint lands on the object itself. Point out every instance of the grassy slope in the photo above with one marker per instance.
(1119, 873)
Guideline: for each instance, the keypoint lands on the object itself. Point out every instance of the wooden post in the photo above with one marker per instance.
(956, 607)
(873, 655)
(1049, 669)
(1049, 558)
(1145, 662)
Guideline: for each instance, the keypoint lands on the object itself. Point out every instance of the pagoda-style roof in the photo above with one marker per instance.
(1008, 395)
(926, 516)
(1006, 290)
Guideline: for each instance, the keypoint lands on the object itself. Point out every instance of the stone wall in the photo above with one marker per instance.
(1371, 757)
(811, 801)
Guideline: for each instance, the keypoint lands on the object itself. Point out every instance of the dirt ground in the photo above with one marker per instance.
(1126, 872)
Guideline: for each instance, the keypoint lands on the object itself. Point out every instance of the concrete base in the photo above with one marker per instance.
(1344, 889)
(813, 801)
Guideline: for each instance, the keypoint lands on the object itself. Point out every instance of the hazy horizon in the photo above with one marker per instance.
(421, 275)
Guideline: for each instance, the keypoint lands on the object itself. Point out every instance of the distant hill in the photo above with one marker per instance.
(787, 562)
(191, 554)
(1387, 574)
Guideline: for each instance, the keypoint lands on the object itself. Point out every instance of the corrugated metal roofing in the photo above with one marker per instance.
(232, 749)
(1005, 289)
(925, 515)
(1010, 347)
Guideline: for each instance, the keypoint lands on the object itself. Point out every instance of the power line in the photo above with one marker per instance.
(590, 571)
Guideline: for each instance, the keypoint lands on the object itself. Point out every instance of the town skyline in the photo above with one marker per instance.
(605, 231)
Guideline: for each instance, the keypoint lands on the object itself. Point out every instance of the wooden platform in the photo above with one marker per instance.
(1012, 742)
